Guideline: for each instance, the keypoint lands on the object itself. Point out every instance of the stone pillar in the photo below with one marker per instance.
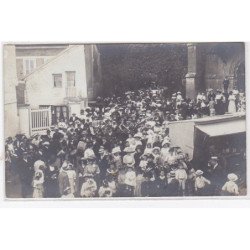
(193, 77)
(11, 121)
(24, 118)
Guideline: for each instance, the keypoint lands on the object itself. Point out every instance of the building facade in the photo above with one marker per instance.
(64, 78)
(60, 79)
(210, 63)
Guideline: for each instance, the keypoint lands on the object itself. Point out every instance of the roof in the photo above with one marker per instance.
(51, 60)
(212, 119)
(223, 128)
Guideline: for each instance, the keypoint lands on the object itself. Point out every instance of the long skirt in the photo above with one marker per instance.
(231, 107)
(38, 191)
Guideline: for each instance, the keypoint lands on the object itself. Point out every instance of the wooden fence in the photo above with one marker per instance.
(40, 120)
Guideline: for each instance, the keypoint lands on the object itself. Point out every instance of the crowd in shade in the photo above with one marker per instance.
(120, 147)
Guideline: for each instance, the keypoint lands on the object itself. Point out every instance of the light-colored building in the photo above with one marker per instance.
(11, 119)
(51, 83)
(65, 82)
(32, 56)
(59, 81)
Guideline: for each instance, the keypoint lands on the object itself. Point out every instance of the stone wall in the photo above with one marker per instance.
(223, 59)
(210, 63)
(93, 71)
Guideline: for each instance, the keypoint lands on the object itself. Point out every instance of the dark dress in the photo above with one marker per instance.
(146, 188)
(161, 187)
(103, 164)
(173, 187)
(219, 107)
(51, 183)
(63, 181)
(25, 173)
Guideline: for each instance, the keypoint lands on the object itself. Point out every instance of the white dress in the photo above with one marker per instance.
(72, 177)
(231, 105)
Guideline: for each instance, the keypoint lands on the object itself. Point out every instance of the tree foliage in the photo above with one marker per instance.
(131, 66)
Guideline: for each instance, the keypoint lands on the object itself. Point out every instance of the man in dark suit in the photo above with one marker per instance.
(217, 175)
(102, 162)
(25, 172)
(225, 84)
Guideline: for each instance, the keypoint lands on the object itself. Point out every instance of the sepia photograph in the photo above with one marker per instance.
(124, 120)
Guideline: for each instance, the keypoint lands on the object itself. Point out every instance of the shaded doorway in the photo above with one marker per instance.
(59, 113)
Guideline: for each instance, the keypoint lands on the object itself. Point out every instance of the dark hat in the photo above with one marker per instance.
(150, 156)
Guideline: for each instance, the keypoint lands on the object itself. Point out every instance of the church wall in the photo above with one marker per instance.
(93, 71)
(218, 65)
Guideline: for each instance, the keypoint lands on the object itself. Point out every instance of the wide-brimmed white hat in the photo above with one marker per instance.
(129, 161)
(65, 166)
(116, 150)
(129, 150)
(91, 157)
(232, 177)
(199, 172)
(139, 135)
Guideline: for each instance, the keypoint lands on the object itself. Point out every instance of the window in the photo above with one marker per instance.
(29, 65)
(71, 78)
(57, 80)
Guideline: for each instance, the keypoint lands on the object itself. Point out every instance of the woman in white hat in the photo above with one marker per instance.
(156, 153)
(149, 148)
(129, 159)
(172, 157)
(230, 187)
(172, 185)
(116, 155)
(165, 150)
(91, 166)
(89, 187)
(138, 138)
(181, 176)
(63, 179)
(72, 177)
(200, 183)
(105, 190)
(38, 186)
(127, 189)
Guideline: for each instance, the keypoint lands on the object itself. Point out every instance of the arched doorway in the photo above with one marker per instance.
(240, 76)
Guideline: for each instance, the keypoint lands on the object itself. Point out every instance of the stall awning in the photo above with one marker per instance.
(223, 128)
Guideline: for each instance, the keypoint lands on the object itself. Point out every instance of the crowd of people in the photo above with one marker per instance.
(120, 147)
